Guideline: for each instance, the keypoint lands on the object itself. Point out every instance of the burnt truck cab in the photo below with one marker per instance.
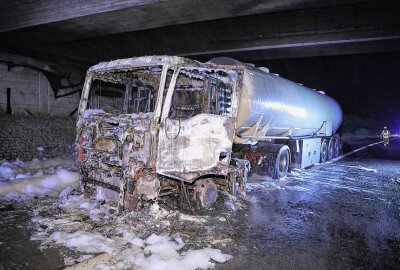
(154, 125)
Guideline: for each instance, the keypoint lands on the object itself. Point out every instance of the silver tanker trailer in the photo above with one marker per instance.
(157, 125)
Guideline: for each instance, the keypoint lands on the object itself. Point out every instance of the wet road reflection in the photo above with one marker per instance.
(344, 215)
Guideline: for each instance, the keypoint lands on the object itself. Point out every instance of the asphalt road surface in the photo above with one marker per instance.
(342, 215)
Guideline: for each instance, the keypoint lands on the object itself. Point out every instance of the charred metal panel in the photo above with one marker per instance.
(190, 148)
(184, 129)
(108, 143)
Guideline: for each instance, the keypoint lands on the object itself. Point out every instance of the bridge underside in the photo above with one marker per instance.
(84, 34)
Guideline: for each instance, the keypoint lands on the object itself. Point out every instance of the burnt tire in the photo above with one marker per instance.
(331, 146)
(336, 147)
(324, 151)
(282, 162)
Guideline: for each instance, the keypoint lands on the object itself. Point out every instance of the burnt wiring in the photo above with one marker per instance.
(184, 191)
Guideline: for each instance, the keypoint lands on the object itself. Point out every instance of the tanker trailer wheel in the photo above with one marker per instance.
(282, 162)
(331, 146)
(324, 151)
(336, 147)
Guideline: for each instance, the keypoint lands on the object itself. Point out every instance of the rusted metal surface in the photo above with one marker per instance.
(115, 152)
(266, 159)
(205, 192)
(158, 121)
(238, 174)
(190, 154)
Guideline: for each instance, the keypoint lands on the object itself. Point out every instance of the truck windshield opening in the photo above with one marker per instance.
(201, 91)
(125, 92)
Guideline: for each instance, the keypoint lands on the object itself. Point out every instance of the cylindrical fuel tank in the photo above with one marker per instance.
(281, 106)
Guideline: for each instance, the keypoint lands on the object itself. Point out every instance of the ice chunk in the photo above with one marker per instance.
(131, 238)
(89, 112)
(22, 175)
(18, 162)
(6, 172)
(65, 192)
(191, 260)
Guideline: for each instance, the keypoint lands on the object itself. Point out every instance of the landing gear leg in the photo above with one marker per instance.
(238, 176)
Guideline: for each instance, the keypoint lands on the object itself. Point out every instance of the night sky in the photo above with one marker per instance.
(367, 86)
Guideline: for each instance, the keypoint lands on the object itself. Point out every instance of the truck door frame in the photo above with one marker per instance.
(221, 132)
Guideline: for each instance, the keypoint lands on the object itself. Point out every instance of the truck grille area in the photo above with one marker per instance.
(110, 145)
(103, 167)
(105, 144)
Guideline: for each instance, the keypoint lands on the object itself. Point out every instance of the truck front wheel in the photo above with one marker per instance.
(206, 192)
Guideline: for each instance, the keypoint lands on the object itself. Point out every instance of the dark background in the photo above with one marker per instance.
(367, 86)
(348, 48)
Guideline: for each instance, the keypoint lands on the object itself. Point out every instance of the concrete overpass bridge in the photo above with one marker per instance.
(82, 33)
(61, 39)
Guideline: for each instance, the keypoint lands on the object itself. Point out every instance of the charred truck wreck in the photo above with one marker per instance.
(154, 125)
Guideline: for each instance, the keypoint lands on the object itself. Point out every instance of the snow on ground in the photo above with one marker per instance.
(89, 112)
(155, 252)
(38, 177)
(88, 226)
(29, 187)
(139, 240)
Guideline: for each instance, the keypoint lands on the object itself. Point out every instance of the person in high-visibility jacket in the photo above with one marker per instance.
(385, 135)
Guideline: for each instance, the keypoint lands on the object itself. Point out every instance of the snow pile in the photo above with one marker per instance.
(5, 171)
(138, 240)
(163, 247)
(89, 112)
(29, 187)
(37, 177)
(128, 246)
(156, 252)
(10, 170)
(84, 241)
(93, 209)
(40, 150)
(189, 260)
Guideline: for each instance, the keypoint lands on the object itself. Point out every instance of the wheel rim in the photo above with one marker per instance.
(282, 163)
(336, 149)
(330, 149)
(324, 153)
